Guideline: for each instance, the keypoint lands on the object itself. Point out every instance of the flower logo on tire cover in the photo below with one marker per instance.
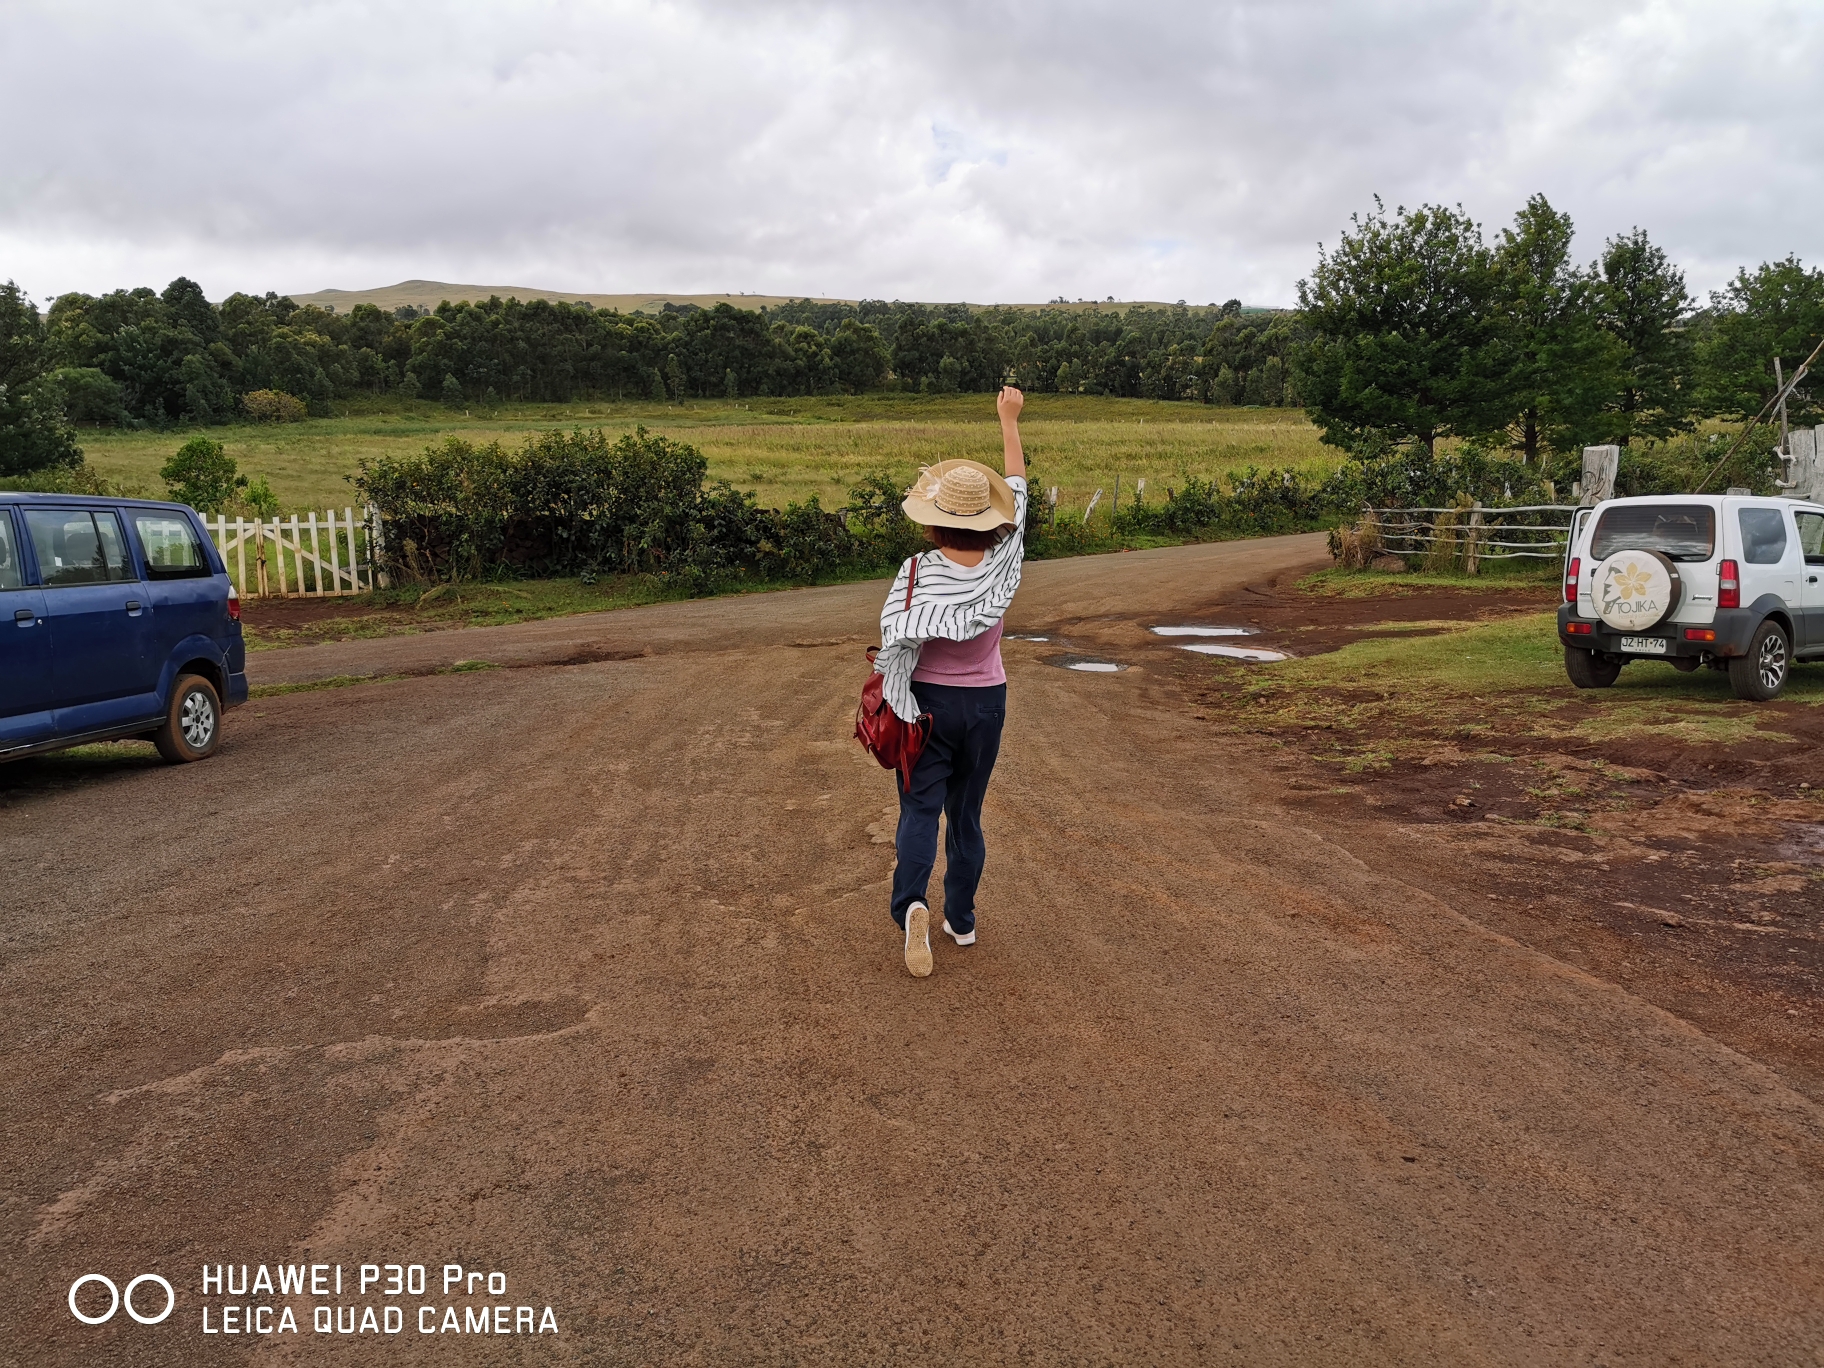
(1633, 591)
(1631, 580)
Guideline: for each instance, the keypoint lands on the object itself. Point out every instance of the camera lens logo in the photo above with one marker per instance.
(116, 1299)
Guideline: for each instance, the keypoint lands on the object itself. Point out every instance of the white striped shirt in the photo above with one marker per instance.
(951, 601)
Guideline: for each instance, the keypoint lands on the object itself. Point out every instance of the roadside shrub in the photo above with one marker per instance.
(1254, 503)
(259, 499)
(577, 503)
(803, 541)
(881, 532)
(203, 475)
(273, 406)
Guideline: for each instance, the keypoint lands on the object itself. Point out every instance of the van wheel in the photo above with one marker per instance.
(193, 722)
(1761, 674)
(1589, 670)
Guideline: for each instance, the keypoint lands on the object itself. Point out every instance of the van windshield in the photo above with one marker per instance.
(1680, 532)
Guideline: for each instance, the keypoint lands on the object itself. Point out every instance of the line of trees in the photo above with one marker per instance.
(146, 358)
(1417, 329)
(1413, 329)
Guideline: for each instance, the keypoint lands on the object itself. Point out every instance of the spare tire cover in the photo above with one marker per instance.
(1635, 590)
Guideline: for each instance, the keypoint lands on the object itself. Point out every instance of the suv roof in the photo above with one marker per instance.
(1715, 500)
(86, 500)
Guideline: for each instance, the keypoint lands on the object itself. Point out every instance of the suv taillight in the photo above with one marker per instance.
(234, 604)
(1728, 585)
(1570, 579)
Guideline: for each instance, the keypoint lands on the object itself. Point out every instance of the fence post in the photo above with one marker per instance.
(1472, 558)
(354, 565)
(377, 577)
(1600, 466)
(316, 559)
(335, 556)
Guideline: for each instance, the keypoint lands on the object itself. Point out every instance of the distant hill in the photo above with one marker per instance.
(428, 294)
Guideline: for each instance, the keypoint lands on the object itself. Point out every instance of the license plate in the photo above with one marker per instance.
(1645, 645)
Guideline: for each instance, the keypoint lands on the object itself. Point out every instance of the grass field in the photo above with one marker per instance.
(1482, 686)
(783, 449)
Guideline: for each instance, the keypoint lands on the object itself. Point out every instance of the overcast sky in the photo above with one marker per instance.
(1146, 149)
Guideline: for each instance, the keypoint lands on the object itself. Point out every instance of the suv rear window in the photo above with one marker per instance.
(1680, 532)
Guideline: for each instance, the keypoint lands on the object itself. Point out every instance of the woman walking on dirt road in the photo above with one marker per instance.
(941, 655)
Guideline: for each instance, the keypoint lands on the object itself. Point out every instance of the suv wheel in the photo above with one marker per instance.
(1588, 670)
(1761, 674)
(193, 721)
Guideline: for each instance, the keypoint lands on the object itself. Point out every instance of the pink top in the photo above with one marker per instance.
(972, 664)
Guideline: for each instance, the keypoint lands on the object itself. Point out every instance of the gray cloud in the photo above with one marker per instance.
(990, 151)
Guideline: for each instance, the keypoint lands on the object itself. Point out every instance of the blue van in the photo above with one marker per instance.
(117, 619)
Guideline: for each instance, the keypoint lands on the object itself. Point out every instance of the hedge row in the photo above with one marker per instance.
(581, 504)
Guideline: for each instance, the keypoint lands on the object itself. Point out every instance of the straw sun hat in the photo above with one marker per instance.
(959, 494)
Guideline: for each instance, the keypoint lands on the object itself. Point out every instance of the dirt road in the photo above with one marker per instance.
(582, 974)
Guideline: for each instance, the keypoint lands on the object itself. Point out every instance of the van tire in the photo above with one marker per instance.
(192, 727)
(1761, 674)
(1589, 670)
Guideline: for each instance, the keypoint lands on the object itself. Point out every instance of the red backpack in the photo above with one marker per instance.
(894, 742)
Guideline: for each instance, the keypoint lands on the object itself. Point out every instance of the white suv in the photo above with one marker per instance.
(1729, 581)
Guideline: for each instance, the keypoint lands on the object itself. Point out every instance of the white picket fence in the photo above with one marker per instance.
(301, 555)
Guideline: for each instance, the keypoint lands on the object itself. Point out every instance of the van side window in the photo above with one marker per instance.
(1763, 536)
(12, 569)
(171, 546)
(78, 546)
(1811, 537)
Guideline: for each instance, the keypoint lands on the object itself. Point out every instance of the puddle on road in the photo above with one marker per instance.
(1235, 652)
(1017, 637)
(1202, 631)
(1083, 664)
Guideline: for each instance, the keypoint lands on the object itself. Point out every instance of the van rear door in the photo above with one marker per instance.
(25, 646)
(188, 599)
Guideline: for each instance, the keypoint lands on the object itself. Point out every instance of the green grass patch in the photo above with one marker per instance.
(104, 753)
(1481, 682)
(313, 685)
(1339, 583)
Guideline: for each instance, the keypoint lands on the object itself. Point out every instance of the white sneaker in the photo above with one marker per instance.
(918, 940)
(966, 939)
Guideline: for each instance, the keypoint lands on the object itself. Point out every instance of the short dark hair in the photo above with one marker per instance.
(967, 538)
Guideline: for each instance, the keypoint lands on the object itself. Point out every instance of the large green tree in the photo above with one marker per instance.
(34, 433)
(1643, 304)
(1405, 336)
(1560, 367)
(1776, 310)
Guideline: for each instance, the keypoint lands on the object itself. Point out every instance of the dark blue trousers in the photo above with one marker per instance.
(951, 777)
